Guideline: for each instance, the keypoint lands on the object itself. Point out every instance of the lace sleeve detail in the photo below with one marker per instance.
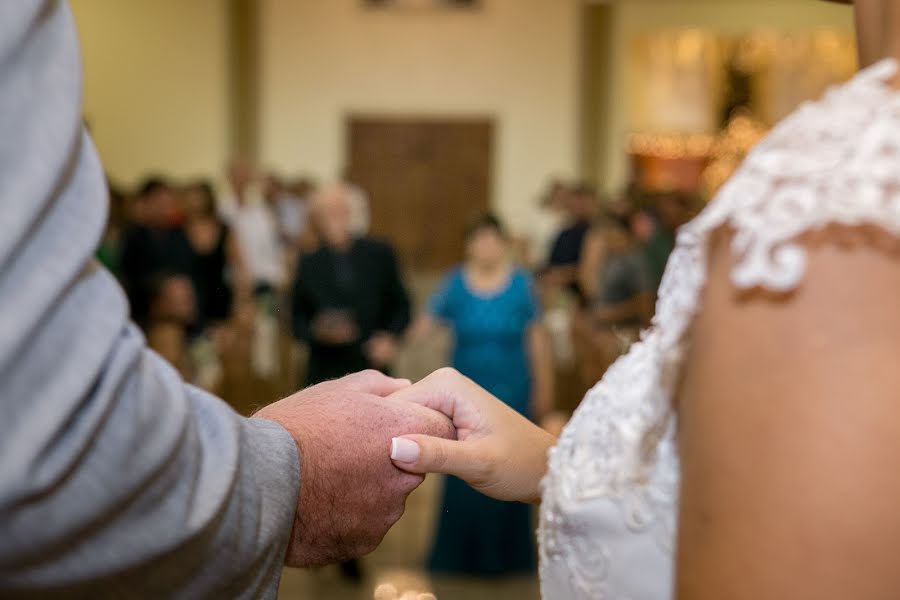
(834, 161)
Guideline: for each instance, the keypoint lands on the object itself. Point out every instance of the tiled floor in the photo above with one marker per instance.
(394, 571)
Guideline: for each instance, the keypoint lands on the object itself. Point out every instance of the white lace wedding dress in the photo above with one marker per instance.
(609, 509)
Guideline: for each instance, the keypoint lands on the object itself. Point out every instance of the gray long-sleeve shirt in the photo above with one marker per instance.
(116, 479)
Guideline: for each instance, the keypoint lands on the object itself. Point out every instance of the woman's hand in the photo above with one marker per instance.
(497, 451)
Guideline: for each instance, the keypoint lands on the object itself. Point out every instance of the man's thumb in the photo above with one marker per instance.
(426, 454)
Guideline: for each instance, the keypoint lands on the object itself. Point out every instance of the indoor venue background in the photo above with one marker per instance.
(548, 113)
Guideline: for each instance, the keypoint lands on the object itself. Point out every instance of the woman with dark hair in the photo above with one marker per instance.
(491, 307)
(218, 268)
(615, 278)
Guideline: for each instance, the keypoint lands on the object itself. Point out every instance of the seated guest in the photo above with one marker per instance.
(547, 223)
(671, 212)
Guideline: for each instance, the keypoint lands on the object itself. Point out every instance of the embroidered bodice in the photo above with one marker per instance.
(608, 514)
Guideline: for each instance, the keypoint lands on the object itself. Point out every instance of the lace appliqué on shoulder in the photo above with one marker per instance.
(832, 162)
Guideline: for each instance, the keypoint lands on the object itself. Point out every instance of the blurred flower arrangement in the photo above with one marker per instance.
(699, 101)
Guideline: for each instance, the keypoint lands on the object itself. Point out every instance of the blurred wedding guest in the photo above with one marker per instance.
(617, 280)
(565, 253)
(288, 203)
(245, 209)
(154, 244)
(218, 271)
(491, 308)
(172, 309)
(349, 303)
(671, 211)
(547, 224)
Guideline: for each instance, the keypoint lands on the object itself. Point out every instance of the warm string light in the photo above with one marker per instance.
(670, 147)
(724, 152)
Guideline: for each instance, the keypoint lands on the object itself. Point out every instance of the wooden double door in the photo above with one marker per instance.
(426, 179)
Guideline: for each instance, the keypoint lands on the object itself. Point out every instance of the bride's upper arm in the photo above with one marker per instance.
(789, 430)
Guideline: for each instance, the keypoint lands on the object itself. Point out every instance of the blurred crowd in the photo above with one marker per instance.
(260, 286)
(599, 263)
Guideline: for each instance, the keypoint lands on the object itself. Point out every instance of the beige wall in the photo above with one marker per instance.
(515, 60)
(634, 17)
(156, 79)
(155, 85)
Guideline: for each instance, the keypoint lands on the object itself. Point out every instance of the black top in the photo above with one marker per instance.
(566, 249)
(214, 293)
(364, 282)
(146, 253)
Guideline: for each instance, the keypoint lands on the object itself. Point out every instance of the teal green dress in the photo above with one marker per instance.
(475, 534)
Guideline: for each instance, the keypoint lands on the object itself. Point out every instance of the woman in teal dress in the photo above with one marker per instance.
(492, 310)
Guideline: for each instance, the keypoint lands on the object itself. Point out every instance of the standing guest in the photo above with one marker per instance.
(615, 277)
(491, 307)
(617, 281)
(288, 203)
(245, 209)
(288, 207)
(548, 223)
(349, 303)
(251, 218)
(153, 245)
(565, 254)
(219, 270)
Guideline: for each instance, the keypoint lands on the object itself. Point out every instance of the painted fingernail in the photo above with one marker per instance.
(404, 450)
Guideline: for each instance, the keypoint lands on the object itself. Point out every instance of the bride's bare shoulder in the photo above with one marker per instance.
(789, 414)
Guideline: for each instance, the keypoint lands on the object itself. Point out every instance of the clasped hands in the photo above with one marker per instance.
(366, 442)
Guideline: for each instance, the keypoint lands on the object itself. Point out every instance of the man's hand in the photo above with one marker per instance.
(350, 493)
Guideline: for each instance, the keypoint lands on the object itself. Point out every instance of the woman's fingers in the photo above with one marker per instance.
(425, 454)
(374, 382)
(450, 393)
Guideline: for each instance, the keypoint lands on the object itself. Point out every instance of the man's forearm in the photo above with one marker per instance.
(116, 479)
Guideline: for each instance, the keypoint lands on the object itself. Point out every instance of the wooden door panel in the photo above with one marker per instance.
(425, 178)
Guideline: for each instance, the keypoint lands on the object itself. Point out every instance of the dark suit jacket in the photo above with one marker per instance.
(365, 282)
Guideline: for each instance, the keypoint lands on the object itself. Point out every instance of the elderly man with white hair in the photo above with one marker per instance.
(349, 303)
